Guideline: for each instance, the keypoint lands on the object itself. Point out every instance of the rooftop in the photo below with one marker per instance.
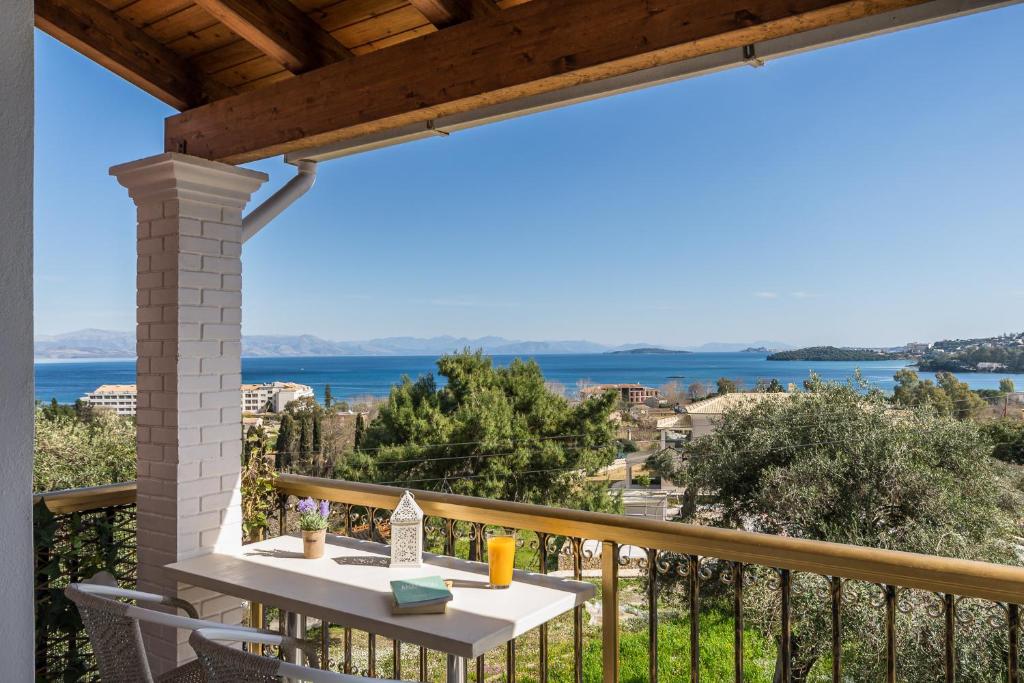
(720, 404)
(114, 389)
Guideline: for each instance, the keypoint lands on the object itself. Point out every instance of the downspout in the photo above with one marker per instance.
(304, 178)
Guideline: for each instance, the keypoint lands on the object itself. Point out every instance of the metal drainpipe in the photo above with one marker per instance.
(279, 201)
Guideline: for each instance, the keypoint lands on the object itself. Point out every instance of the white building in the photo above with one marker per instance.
(273, 397)
(704, 415)
(117, 397)
(255, 398)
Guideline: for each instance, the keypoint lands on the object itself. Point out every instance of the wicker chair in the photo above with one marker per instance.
(226, 664)
(116, 635)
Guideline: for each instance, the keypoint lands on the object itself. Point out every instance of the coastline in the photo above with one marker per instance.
(355, 376)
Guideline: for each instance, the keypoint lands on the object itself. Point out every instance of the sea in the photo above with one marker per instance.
(361, 376)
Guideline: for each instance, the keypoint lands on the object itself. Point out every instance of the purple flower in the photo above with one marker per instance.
(325, 508)
(306, 505)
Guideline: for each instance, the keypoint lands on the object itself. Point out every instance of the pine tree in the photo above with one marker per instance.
(360, 430)
(316, 433)
(328, 399)
(285, 443)
(492, 432)
(305, 438)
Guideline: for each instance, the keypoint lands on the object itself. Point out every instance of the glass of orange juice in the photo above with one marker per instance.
(501, 555)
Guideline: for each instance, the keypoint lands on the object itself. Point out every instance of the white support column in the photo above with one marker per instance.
(16, 383)
(189, 372)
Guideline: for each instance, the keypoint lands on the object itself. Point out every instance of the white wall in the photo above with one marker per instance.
(16, 384)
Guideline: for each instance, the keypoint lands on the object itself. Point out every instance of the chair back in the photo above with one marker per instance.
(225, 664)
(116, 637)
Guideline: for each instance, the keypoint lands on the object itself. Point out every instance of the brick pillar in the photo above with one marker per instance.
(189, 372)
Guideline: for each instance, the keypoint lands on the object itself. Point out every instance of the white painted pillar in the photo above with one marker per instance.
(188, 372)
(16, 377)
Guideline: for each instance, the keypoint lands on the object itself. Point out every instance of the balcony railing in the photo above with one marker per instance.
(80, 532)
(703, 559)
(77, 533)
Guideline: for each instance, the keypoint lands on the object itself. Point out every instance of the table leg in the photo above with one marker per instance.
(294, 626)
(456, 669)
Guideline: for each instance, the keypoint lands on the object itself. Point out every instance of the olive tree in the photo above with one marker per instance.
(73, 451)
(835, 464)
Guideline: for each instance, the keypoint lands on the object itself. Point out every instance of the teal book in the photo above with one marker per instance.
(420, 592)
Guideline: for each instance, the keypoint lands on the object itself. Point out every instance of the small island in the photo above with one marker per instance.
(835, 353)
(756, 349)
(646, 350)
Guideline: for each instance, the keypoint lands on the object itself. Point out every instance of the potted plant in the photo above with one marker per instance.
(313, 522)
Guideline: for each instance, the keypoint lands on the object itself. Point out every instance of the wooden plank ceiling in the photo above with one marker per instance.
(259, 77)
(189, 52)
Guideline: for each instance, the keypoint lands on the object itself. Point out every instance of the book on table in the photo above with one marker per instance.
(423, 595)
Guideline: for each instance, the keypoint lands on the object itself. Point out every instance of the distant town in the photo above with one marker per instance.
(1004, 353)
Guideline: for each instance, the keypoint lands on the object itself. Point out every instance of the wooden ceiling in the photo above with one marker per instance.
(188, 52)
(254, 78)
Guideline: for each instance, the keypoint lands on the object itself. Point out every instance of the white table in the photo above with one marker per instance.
(350, 586)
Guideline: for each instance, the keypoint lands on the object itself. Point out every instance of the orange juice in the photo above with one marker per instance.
(501, 554)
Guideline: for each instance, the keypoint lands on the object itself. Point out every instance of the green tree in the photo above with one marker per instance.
(912, 392)
(285, 447)
(360, 431)
(305, 437)
(328, 399)
(1007, 438)
(302, 407)
(773, 386)
(966, 404)
(507, 435)
(1006, 386)
(316, 436)
(71, 452)
(55, 410)
(836, 465)
(727, 386)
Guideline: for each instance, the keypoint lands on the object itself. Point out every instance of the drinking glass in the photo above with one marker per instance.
(501, 554)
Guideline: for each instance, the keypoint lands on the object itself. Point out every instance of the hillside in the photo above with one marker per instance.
(975, 360)
(1004, 353)
(824, 353)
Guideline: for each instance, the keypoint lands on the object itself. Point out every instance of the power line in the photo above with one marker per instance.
(469, 443)
(583, 471)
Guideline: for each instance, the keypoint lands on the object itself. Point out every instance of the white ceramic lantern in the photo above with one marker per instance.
(407, 533)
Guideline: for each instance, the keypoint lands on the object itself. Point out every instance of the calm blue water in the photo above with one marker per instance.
(351, 376)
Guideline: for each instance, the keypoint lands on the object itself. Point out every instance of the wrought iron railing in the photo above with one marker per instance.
(702, 563)
(77, 533)
(83, 531)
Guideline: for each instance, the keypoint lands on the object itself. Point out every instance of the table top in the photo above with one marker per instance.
(350, 586)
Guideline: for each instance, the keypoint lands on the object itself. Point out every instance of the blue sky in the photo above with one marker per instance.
(869, 194)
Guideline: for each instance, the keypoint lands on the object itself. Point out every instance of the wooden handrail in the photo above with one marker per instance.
(968, 578)
(85, 499)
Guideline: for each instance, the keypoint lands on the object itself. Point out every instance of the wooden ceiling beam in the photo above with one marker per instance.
(280, 30)
(96, 32)
(443, 13)
(540, 47)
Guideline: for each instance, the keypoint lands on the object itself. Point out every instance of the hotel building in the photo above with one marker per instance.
(255, 398)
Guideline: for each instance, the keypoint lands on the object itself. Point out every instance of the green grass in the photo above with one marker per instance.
(716, 649)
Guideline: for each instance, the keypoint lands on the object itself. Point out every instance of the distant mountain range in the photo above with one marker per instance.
(86, 344)
(646, 350)
(92, 343)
